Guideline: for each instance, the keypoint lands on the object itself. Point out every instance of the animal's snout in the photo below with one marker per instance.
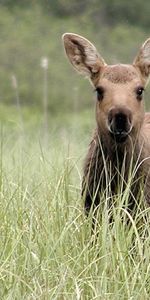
(120, 123)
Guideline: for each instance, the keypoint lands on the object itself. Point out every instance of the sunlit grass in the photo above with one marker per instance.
(46, 247)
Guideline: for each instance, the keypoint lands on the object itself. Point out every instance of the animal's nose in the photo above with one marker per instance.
(119, 121)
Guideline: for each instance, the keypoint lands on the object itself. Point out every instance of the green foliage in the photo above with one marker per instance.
(66, 7)
(29, 34)
(102, 11)
(124, 12)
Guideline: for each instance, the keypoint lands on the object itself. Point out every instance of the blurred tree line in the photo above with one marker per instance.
(31, 30)
(134, 12)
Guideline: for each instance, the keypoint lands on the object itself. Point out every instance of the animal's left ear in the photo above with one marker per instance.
(142, 61)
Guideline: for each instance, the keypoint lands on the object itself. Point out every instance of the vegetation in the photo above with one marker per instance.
(29, 34)
(47, 250)
(46, 247)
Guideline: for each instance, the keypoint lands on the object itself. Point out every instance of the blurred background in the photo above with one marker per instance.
(38, 87)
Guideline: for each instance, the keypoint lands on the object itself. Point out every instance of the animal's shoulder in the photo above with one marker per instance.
(145, 132)
(147, 118)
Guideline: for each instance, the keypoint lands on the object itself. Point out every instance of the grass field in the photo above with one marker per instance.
(47, 250)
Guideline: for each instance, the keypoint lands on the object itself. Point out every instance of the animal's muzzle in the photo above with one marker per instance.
(119, 124)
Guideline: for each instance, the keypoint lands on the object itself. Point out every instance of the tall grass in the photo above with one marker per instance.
(47, 250)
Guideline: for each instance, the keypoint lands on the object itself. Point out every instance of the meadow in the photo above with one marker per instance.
(47, 250)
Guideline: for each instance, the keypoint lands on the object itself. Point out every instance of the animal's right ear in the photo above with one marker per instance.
(82, 54)
(142, 61)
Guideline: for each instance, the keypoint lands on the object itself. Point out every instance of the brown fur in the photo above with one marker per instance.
(112, 162)
(119, 74)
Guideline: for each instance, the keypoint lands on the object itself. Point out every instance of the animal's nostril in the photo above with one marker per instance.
(110, 117)
(121, 122)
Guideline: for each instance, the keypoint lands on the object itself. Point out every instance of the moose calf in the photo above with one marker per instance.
(122, 138)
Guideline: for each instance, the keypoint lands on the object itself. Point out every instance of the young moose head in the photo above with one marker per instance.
(119, 108)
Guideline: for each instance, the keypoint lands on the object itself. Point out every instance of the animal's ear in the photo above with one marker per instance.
(142, 61)
(82, 54)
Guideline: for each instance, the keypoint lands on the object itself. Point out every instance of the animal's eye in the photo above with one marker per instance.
(100, 93)
(139, 92)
